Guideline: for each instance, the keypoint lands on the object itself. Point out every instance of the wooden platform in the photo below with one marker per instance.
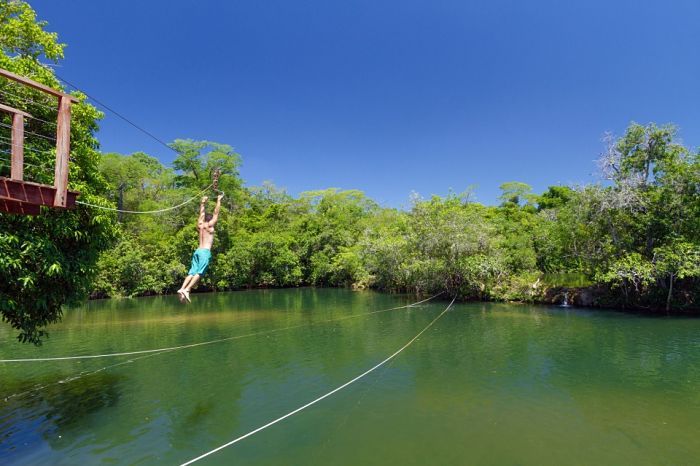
(24, 197)
(19, 208)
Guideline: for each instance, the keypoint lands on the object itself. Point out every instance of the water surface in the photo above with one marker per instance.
(487, 384)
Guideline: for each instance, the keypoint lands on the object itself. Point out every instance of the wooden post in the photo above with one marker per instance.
(17, 141)
(62, 151)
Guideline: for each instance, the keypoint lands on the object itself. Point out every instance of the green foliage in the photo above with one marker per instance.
(132, 268)
(332, 223)
(636, 235)
(676, 261)
(515, 192)
(639, 233)
(197, 161)
(49, 260)
(635, 238)
(555, 197)
(22, 35)
(631, 273)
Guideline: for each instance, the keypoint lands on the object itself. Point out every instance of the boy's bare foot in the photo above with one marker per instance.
(186, 294)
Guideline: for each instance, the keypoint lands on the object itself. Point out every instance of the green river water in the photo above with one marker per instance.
(486, 384)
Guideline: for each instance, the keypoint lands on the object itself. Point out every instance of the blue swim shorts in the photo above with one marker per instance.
(200, 261)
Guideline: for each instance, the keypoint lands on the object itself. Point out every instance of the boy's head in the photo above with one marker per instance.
(208, 217)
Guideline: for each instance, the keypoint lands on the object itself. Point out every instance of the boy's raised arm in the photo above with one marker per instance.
(215, 216)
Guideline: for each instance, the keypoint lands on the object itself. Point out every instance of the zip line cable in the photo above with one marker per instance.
(108, 108)
(192, 345)
(146, 132)
(98, 102)
(167, 209)
(311, 403)
(7, 141)
(113, 209)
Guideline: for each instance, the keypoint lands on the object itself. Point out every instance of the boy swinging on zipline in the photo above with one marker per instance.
(201, 257)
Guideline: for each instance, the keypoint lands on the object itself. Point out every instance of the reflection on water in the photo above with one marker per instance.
(53, 412)
(488, 384)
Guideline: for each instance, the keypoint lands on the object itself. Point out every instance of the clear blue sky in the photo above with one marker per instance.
(387, 97)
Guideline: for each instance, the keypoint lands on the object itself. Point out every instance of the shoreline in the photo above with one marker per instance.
(584, 297)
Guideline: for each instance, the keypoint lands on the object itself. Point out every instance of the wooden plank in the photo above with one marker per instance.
(48, 194)
(17, 168)
(36, 85)
(32, 193)
(72, 197)
(18, 208)
(15, 190)
(62, 152)
(8, 109)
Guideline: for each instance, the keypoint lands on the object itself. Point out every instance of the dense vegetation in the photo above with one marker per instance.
(48, 260)
(635, 235)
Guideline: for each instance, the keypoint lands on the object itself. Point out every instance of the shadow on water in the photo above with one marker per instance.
(48, 415)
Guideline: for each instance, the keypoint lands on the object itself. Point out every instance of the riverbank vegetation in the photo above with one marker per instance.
(635, 235)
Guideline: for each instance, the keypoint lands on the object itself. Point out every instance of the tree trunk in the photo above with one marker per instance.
(120, 201)
(670, 292)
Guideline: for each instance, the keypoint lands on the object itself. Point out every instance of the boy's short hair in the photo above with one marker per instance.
(208, 217)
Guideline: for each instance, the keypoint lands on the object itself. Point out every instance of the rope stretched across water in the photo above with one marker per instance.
(337, 389)
(77, 376)
(210, 342)
(112, 209)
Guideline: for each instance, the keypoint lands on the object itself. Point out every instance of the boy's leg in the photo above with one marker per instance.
(193, 282)
(200, 262)
(190, 285)
(187, 281)
(190, 276)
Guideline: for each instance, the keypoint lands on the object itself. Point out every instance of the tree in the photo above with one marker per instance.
(632, 273)
(676, 261)
(515, 192)
(122, 175)
(555, 197)
(197, 160)
(333, 221)
(21, 35)
(49, 260)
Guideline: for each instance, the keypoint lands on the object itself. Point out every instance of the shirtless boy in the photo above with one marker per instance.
(201, 257)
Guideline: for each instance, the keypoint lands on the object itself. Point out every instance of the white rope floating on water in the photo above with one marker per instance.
(76, 377)
(151, 353)
(210, 342)
(337, 389)
(167, 209)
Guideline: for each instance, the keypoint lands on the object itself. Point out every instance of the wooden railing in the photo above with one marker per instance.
(11, 191)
